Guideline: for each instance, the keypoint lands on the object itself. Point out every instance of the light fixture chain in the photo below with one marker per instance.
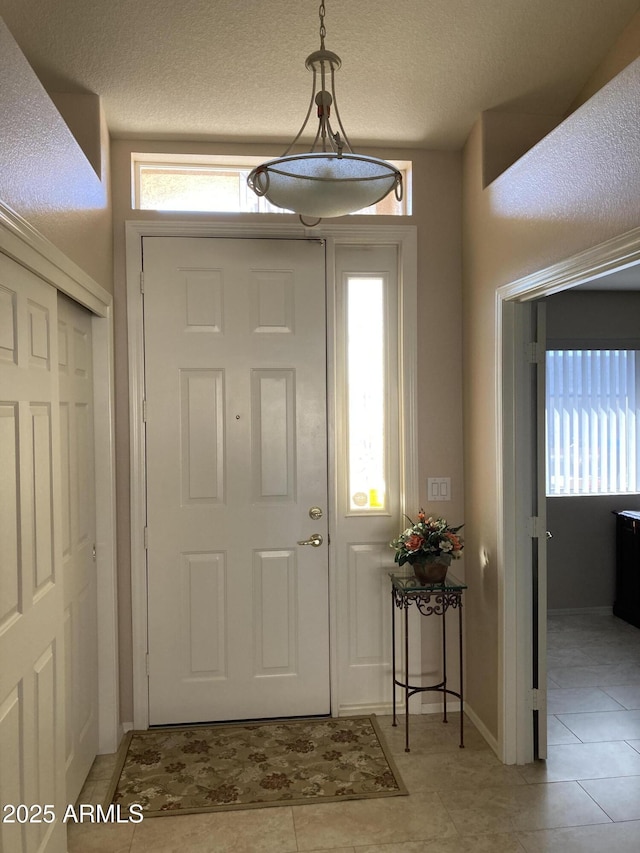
(330, 179)
(323, 31)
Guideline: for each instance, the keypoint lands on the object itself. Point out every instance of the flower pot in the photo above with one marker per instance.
(430, 571)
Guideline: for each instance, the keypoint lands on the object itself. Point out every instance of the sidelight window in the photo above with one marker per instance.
(366, 392)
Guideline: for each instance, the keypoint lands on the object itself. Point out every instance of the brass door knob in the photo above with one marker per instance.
(315, 540)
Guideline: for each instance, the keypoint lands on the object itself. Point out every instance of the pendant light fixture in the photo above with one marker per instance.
(330, 179)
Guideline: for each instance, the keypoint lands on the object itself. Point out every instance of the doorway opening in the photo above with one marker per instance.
(592, 444)
(520, 524)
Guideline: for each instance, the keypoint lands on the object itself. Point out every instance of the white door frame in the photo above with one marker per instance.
(405, 237)
(515, 606)
(30, 249)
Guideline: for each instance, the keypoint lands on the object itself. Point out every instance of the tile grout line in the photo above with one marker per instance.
(579, 781)
(133, 835)
(295, 832)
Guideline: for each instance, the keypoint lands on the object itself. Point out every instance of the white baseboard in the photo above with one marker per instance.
(484, 731)
(436, 708)
(384, 709)
(121, 731)
(453, 705)
(575, 611)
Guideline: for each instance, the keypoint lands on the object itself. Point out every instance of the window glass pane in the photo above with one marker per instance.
(219, 190)
(591, 422)
(366, 380)
(186, 183)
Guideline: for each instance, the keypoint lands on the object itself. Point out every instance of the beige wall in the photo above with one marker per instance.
(594, 319)
(44, 175)
(436, 205)
(623, 52)
(576, 188)
(581, 557)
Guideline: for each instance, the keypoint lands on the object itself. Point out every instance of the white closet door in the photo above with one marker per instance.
(78, 539)
(32, 725)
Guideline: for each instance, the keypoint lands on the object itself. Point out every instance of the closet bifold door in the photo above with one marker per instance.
(32, 658)
(78, 522)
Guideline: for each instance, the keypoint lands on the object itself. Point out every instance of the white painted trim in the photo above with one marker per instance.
(332, 448)
(408, 407)
(406, 239)
(484, 731)
(109, 734)
(407, 367)
(435, 708)
(516, 567)
(381, 710)
(515, 497)
(506, 532)
(137, 490)
(514, 736)
(615, 254)
(20, 241)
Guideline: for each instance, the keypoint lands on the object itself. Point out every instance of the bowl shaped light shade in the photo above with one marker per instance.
(323, 184)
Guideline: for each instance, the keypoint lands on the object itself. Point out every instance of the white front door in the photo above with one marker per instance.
(235, 372)
(32, 725)
(75, 376)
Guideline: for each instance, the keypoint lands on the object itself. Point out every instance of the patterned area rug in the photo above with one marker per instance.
(240, 766)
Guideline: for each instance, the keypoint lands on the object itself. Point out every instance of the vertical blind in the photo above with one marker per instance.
(591, 422)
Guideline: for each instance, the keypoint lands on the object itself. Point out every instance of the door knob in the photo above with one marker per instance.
(549, 534)
(315, 540)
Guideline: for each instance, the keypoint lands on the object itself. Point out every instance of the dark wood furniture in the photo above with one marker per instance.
(627, 602)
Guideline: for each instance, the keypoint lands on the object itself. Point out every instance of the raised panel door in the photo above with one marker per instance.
(235, 367)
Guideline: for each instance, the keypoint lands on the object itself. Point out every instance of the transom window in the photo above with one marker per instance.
(218, 184)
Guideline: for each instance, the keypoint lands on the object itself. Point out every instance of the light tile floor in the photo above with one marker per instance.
(584, 799)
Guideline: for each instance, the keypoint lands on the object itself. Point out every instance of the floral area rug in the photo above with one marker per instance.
(239, 766)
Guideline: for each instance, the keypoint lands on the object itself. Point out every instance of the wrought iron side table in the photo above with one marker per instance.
(431, 600)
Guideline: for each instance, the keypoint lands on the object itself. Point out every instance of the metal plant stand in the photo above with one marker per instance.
(431, 600)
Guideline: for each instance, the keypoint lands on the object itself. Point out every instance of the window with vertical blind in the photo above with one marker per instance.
(592, 435)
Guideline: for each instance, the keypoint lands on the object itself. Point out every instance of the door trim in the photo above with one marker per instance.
(515, 739)
(20, 241)
(405, 238)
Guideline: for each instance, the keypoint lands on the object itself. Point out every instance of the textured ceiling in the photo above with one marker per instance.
(415, 73)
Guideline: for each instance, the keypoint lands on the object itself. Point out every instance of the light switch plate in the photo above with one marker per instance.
(439, 488)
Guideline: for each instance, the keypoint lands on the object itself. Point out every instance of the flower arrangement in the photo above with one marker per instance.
(427, 539)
